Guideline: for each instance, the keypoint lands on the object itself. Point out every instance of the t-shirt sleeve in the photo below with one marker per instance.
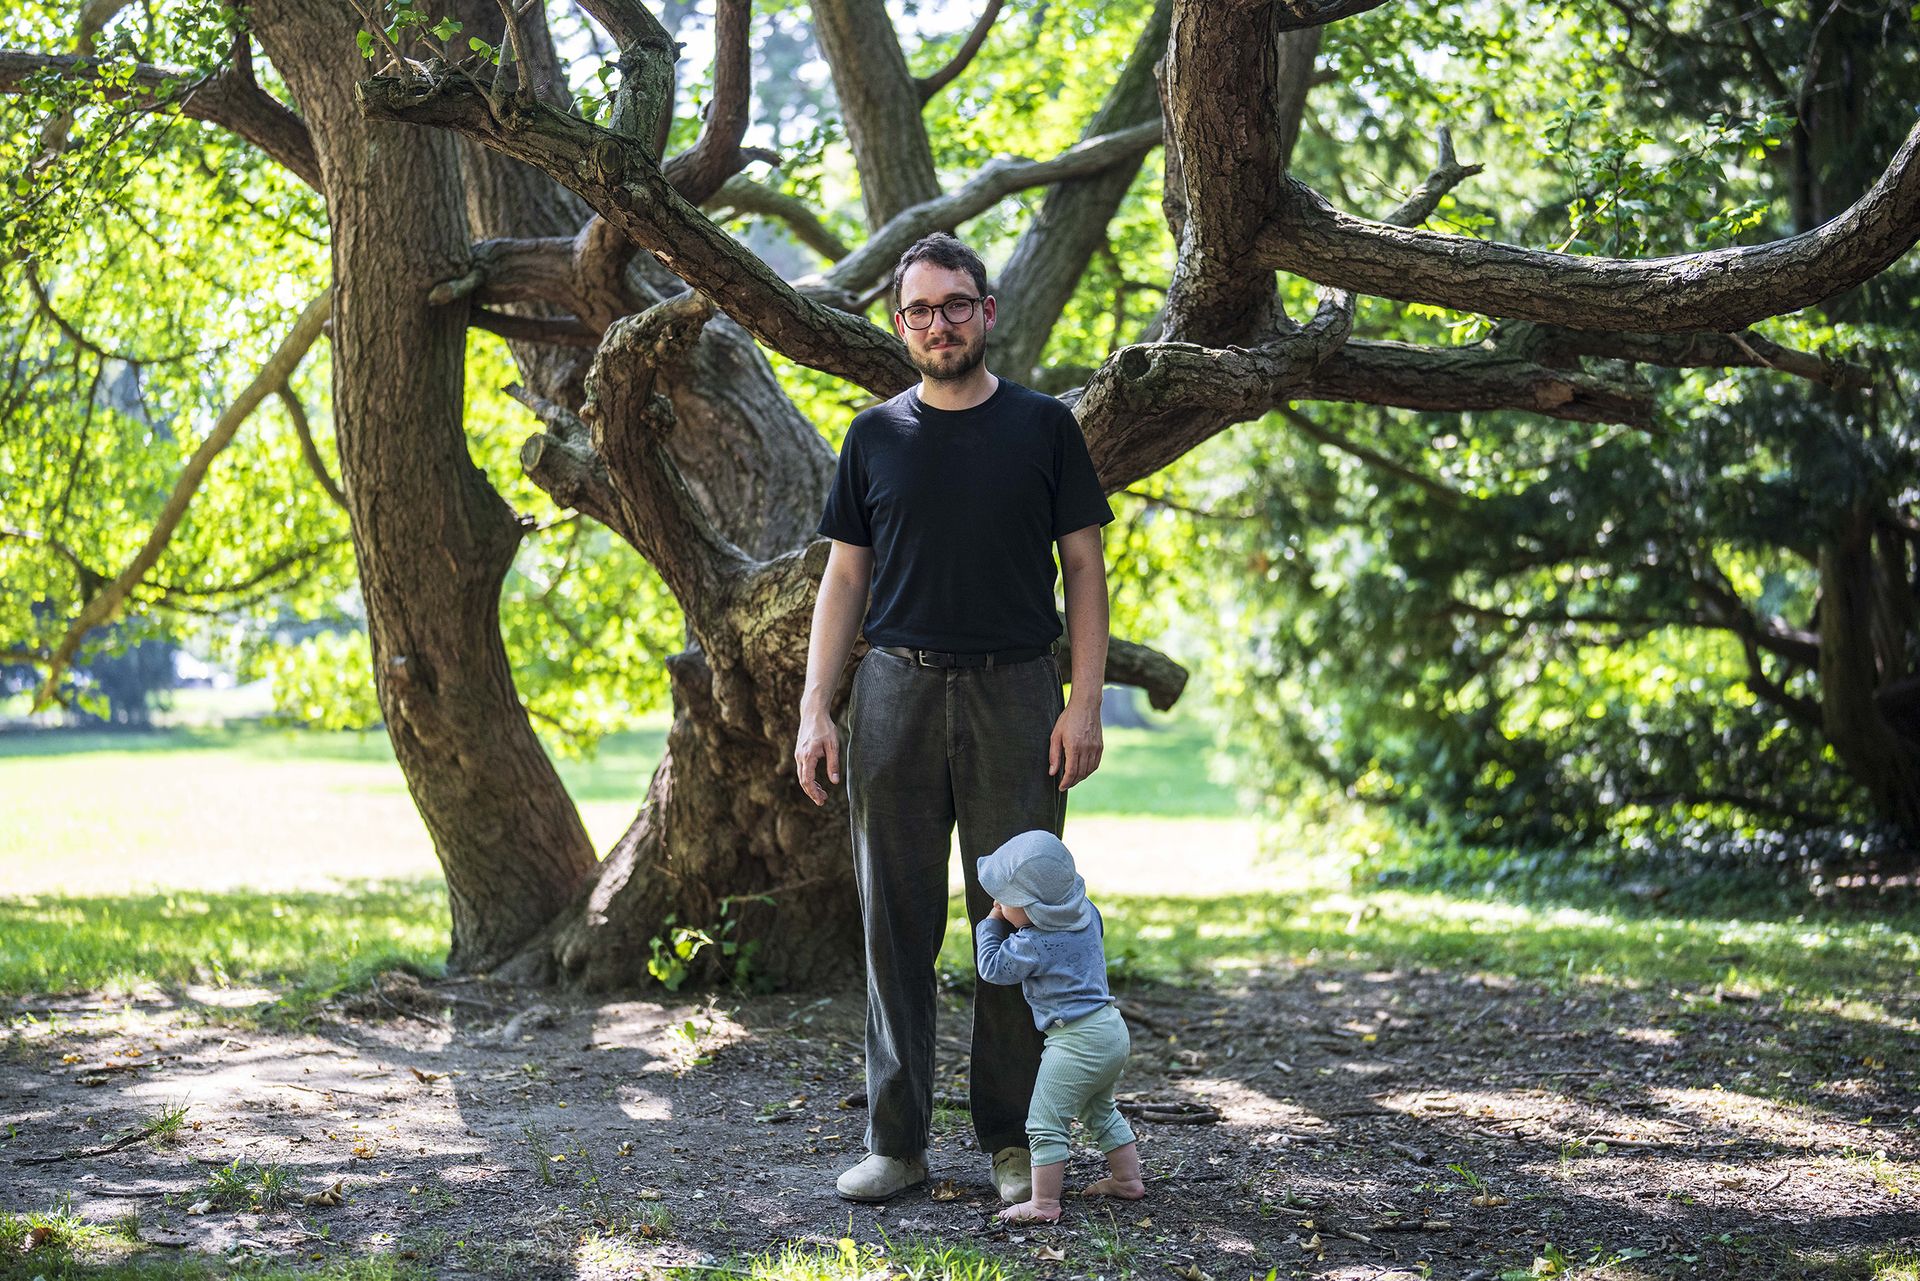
(1078, 500)
(846, 518)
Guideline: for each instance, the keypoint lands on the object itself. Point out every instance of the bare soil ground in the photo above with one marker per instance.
(1379, 1125)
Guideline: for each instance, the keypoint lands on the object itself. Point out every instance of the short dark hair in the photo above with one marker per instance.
(941, 250)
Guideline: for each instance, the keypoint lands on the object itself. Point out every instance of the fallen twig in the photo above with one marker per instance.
(81, 1154)
(1177, 1112)
(1134, 1014)
(1410, 1225)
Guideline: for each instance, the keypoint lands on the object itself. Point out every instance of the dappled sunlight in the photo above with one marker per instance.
(673, 1039)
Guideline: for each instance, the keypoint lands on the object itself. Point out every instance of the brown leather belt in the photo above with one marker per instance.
(934, 658)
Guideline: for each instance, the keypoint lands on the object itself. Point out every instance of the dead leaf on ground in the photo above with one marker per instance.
(424, 1077)
(1051, 1254)
(1487, 1200)
(1191, 1272)
(38, 1237)
(334, 1195)
(200, 1207)
(945, 1190)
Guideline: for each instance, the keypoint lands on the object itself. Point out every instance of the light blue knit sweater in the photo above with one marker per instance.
(1062, 973)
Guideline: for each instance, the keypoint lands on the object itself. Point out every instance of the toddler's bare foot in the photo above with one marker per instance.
(1125, 1189)
(1033, 1211)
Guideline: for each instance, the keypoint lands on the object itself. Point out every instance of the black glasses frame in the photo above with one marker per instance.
(945, 309)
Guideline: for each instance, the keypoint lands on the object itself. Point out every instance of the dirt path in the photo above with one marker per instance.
(484, 1130)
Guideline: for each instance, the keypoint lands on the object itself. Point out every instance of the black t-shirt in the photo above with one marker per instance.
(962, 509)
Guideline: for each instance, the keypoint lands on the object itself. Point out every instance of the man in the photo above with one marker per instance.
(947, 503)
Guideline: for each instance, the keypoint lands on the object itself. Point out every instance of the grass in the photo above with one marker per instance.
(911, 1259)
(276, 805)
(302, 946)
(242, 1185)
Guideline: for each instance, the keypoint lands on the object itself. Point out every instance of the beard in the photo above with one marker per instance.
(950, 364)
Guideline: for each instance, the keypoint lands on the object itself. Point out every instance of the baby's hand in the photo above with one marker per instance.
(997, 914)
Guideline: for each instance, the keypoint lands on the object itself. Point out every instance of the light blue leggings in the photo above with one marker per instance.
(1079, 1066)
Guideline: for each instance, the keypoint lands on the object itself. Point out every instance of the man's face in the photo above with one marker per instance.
(943, 351)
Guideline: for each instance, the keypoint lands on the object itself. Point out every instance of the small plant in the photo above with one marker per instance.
(1110, 1245)
(167, 1123)
(241, 1185)
(541, 1153)
(673, 953)
(599, 1203)
(53, 1233)
(1552, 1261)
(654, 1221)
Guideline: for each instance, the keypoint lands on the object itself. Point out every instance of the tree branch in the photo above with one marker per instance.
(716, 156)
(930, 85)
(562, 461)
(614, 175)
(742, 195)
(1131, 663)
(1452, 379)
(1720, 289)
(227, 99)
(880, 104)
(1745, 349)
(564, 331)
(1056, 245)
(643, 105)
(999, 177)
(309, 450)
(105, 607)
(1372, 457)
(1295, 14)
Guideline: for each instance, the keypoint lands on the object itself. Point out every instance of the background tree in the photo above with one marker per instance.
(469, 184)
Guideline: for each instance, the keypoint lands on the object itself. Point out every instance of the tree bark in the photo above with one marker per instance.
(432, 539)
(880, 102)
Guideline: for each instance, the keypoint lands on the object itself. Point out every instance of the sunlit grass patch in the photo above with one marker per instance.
(1902, 1264)
(850, 1260)
(1853, 968)
(304, 945)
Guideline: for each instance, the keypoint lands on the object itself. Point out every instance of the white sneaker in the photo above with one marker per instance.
(1013, 1175)
(880, 1177)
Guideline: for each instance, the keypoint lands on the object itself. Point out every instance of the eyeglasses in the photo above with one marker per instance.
(958, 311)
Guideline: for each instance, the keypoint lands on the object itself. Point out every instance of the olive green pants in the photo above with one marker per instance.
(929, 748)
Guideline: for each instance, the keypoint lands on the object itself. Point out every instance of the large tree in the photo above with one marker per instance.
(465, 186)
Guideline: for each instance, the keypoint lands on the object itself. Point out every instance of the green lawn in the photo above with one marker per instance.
(295, 862)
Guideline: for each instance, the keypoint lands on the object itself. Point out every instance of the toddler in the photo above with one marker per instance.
(1044, 935)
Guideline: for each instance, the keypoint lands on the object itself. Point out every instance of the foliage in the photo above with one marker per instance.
(1492, 625)
(1522, 632)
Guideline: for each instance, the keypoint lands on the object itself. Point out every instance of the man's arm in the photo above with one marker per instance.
(837, 614)
(1077, 743)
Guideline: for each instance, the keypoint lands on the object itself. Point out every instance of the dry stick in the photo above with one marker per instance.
(1133, 1014)
(80, 1154)
(105, 607)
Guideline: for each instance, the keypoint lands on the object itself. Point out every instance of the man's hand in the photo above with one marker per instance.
(818, 739)
(1074, 750)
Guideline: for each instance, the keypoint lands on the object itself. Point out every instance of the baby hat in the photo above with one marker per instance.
(1035, 871)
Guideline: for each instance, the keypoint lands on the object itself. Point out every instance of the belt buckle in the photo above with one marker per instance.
(920, 658)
